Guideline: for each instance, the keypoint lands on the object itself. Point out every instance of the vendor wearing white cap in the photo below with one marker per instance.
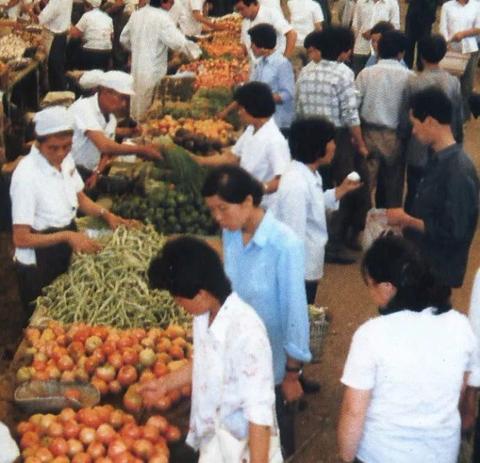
(90, 81)
(94, 125)
(46, 191)
(95, 28)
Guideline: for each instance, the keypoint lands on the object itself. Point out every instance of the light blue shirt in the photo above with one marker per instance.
(277, 72)
(268, 274)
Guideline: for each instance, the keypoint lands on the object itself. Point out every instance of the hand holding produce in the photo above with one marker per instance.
(81, 243)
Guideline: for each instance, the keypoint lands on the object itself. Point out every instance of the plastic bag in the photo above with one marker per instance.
(377, 225)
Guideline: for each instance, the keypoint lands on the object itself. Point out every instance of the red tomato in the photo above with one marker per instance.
(87, 436)
(116, 419)
(115, 387)
(150, 432)
(96, 450)
(74, 447)
(71, 429)
(89, 417)
(65, 363)
(106, 372)
(115, 359)
(127, 375)
(130, 356)
(55, 429)
(143, 448)
(100, 384)
(173, 434)
(67, 414)
(116, 447)
(131, 430)
(105, 433)
(82, 457)
(44, 454)
(25, 426)
(159, 422)
(58, 446)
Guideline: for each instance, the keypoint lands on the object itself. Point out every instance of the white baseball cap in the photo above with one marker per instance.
(52, 120)
(119, 81)
(91, 79)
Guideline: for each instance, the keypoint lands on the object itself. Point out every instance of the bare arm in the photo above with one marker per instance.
(258, 442)
(397, 216)
(352, 418)
(202, 19)
(227, 110)
(464, 34)
(75, 32)
(217, 159)
(291, 37)
(108, 146)
(356, 133)
(272, 185)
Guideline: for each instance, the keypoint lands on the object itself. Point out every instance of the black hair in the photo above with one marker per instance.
(187, 265)
(309, 137)
(246, 2)
(263, 36)
(432, 48)
(156, 3)
(334, 41)
(44, 138)
(392, 43)
(256, 98)
(233, 184)
(313, 40)
(432, 102)
(393, 259)
(381, 27)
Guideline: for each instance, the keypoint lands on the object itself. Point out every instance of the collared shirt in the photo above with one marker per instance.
(327, 89)
(43, 197)
(455, 17)
(97, 29)
(268, 274)
(264, 154)
(301, 204)
(447, 202)
(474, 316)
(415, 388)
(187, 23)
(270, 16)
(277, 72)
(417, 152)
(232, 373)
(304, 15)
(87, 116)
(368, 13)
(56, 16)
(381, 92)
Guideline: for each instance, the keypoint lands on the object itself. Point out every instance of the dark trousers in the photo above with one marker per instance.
(353, 208)
(414, 177)
(56, 63)
(286, 423)
(359, 62)
(96, 59)
(476, 438)
(311, 290)
(415, 32)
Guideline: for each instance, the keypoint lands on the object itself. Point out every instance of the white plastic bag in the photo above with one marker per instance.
(377, 225)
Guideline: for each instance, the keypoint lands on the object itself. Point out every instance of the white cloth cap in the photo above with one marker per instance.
(95, 3)
(52, 120)
(91, 79)
(119, 81)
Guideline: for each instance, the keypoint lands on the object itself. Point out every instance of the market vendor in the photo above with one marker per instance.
(95, 123)
(46, 191)
(261, 149)
(193, 19)
(149, 34)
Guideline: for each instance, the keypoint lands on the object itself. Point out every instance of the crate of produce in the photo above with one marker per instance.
(54, 396)
(318, 330)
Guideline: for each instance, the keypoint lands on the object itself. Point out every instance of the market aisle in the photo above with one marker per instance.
(343, 292)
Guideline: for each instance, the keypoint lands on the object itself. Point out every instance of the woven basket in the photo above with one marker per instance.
(318, 331)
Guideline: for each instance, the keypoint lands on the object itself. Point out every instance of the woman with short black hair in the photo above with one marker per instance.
(407, 368)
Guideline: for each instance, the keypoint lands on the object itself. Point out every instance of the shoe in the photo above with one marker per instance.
(339, 256)
(308, 385)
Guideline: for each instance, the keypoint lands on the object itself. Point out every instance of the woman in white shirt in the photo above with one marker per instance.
(460, 24)
(407, 368)
(46, 191)
(301, 202)
(95, 28)
(232, 417)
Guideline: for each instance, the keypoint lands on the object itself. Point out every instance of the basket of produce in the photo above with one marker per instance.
(318, 330)
(54, 396)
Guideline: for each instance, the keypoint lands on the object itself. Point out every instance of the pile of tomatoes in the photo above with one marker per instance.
(99, 434)
(112, 360)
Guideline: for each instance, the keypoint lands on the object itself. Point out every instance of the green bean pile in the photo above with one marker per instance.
(110, 288)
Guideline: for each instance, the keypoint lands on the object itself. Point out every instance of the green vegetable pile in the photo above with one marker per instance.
(110, 288)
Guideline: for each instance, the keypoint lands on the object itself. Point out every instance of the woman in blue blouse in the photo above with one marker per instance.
(264, 260)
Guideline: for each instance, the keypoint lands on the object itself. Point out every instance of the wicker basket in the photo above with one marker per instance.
(318, 331)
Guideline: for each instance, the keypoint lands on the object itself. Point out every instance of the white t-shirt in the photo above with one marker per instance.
(43, 197)
(474, 316)
(9, 451)
(300, 203)
(270, 16)
(264, 154)
(187, 23)
(455, 17)
(232, 373)
(414, 365)
(97, 29)
(304, 14)
(87, 116)
(56, 16)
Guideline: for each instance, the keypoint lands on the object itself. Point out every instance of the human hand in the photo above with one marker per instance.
(114, 221)
(367, 34)
(92, 181)
(151, 151)
(457, 37)
(81, 243)
(152, 390)
(291, 387)
(397, 216)
(346, 187)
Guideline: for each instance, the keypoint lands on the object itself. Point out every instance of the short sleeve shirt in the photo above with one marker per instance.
(304, 14)
(188, 24)
(97, 29)
(88, 117)
(43, 197)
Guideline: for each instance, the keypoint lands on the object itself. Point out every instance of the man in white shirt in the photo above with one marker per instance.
(460, 24)
(192, 19)
(381, 90)
(94, 125)
(368, 13)
(254, 13)
(149, 34)
(55, 18)
(95, 27)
